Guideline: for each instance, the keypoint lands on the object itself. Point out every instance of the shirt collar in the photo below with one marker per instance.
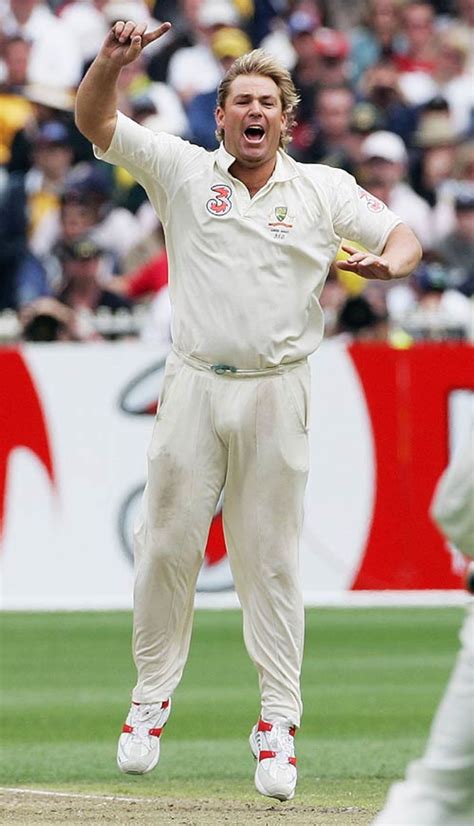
(285, 168)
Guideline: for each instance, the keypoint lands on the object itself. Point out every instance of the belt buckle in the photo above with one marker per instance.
(221, 369)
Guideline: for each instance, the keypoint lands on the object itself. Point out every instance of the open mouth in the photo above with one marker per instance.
(255, 134)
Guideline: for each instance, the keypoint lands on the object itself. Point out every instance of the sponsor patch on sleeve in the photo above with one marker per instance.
(372, 203)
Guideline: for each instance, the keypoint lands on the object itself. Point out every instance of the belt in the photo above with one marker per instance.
(220, 369)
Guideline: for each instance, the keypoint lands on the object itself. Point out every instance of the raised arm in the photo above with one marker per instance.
(96, 99)
(401, 254)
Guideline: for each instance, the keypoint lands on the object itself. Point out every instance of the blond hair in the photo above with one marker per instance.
(259, 62)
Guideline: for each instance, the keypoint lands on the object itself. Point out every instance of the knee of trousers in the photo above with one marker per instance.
(280, 570)
(164, 548)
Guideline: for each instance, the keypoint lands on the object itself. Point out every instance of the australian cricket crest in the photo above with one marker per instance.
(280, 223)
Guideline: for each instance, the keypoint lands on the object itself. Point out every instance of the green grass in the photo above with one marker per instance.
(372, 679)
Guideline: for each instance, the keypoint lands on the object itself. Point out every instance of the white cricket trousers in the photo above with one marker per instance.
(438, 789)
(247, 435)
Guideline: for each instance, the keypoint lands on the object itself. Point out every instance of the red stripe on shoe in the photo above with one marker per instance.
(292, 760)
(263, 726)
(127, 729)
(266, 755)
(165, 704)
(155, 732)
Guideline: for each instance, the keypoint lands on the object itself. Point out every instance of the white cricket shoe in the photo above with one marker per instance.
(139, 743)
(273, 746)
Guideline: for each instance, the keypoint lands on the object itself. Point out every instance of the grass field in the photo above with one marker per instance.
(372, 679)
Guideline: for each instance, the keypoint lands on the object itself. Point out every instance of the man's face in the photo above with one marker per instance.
(418, 24)
(76, 220)
(334, 110)
(54, 160)
(387, 172)
(252, 119)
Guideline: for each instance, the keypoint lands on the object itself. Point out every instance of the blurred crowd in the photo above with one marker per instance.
(387, 93)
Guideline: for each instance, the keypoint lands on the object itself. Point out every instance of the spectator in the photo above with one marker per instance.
(267, 15)
(302, 26)
(453, 77)
(385, 159)
(418, 51)
(375, 38)
(81, 286)
(439, 311)
(328, 140)
(54, 51)
(69, 314)
(321, 59)
(364, 120)
(358, 320)
(448, 78)
(438, 142)
(115, 229)
(145, 281)
(15, 110)
(195, 70)
(77, 216)
(380, 87)
(332, 48)
(277, 40)
(457, 250)
(227, 44)
(184, 33)
(45, 180)
(462, 173)
(47, 103)
(47, 319)
(149, 102)
(88, 25)
(77, 219)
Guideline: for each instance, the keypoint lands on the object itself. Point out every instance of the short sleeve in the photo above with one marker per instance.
(158, 161)
(360, 216)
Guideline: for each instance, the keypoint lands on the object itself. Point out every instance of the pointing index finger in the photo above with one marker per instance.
(150, 37)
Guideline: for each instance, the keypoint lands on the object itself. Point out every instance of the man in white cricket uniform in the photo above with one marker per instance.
(250, 235)
(438, 789)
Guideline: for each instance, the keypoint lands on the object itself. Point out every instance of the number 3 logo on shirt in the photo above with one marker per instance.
(221, 204)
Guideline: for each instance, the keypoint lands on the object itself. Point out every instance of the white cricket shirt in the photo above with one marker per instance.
(246, 273)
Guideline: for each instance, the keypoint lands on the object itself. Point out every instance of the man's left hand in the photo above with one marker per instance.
(366, 264)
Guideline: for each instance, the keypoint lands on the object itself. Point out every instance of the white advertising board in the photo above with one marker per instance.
(76, 424)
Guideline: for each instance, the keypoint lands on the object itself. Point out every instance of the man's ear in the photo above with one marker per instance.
(220, 117)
